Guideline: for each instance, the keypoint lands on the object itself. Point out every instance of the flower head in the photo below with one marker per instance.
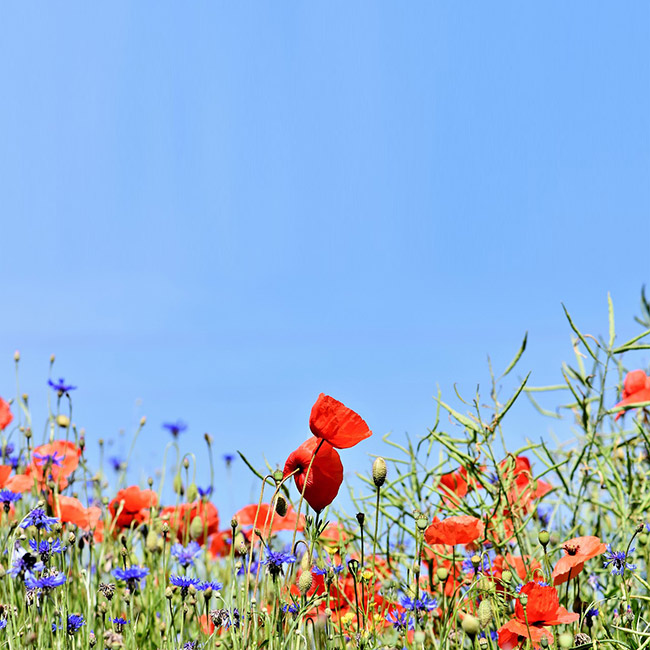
(461, 529)
(45, 581)
(215, 586)
(131, 576)
(39, 519)
(401, 621)
(274, 561)
(60, 386)
(186, 554)
(333, 421)
(320, 481)
(175, 427)
(576, 552)
(75, 623)
(5, 415)
(618, 560)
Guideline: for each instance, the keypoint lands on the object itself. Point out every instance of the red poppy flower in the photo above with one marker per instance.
(180, 518)
(524, 489)
(453, 486)
(336, 423)
(15, 483)
(636, 389)
(133, 505)
(334, 536)
(325, 476)
(54, 461)
(5, 415)
(220, 543)
(261, 518)
(542, 609)
(71, 510)
(461, 529)
(577, 551)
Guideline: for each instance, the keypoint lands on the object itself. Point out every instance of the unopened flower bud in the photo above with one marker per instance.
(186, 463)
(544, 538)
(178, 484)
(470, 625)
(566, 640)
(63, 421)
(305, 561)
(361, 518)
(169, 594)
(484, 613)
(196, 527)
(304, 582)
(506, 576)
(643, 539)
(17, 356)
(379, 471)
(143, 421)
(151, 542)
(208, 438)
(281, 505)
(192, 492)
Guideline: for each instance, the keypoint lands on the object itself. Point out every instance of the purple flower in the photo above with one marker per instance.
(618, 560)
(75, 623)
(186, 554)
(48, 459)
(131, 576)
(60, 386)
(400, 620)
(45, 582)
(175, 427)
(215, 586)
(39, 519)
(228, 459)
(274, 561)
(205, 492)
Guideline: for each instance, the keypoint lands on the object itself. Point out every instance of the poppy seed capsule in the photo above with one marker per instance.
(523, 599)
(544, 538)
(442, 574)
(281, 505)
(484, 613)
(196, 527)
(379, 471)
(421, 521)
(470, 625)
(506, 576)
(305, 582)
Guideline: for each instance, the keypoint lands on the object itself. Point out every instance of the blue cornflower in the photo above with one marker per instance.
(25, 562)
(422, 604)
(48, 459)
(75, 623)
(131, 576)
(38, 518)
(45, 548)
(618, 560)
(493, 635)
(175, 427)
(191, 645)
(592, 581)
(60, 386)
(184, 583)
(45, 582)
(252, 567)
(8, 449)
(228, 458)
(215, 586)
(292, 609)
(116, 463)
(15, 461)
(205, 492)
(544, 515)
(274, 561)
(3, 623)
(119, 624)
(400, 620)
(337, 568)
(186, 554)
(7, 497)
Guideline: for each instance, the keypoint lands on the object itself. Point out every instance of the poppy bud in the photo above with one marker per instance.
(643, 539)
(281, 505)
(208, 439)
(192, 492)
(52, 358)
(143, 421)
(150, 482)
(178, 484)
(304, 582)
(196, 527)
(506, 576)
(63, 421)
(151, 541)
(305, 561)
(442, 574)
(169, 594)
(379, 471)
(566, 640)
(17, 356)
(484, 613)
(25, 397)
(186, 463)
(470, 625)
(544, 538)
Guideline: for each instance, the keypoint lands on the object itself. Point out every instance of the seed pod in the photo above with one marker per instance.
(192, 492)
(305, 582)
(178, 484)
(379, 471)
(281, 505)
(442, 574)
(484, 613)
(506, 576)
(544, 538)
(196, 527)
(470, 625)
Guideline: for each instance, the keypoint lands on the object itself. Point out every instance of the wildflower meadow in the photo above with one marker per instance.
(456, 541)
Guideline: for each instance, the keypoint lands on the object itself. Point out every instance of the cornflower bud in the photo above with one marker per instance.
(379, 471)
(143, 421)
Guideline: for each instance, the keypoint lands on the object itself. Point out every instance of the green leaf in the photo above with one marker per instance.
(579, 334)
(513, 363)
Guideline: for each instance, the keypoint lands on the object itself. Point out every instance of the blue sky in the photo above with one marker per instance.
(216, 212)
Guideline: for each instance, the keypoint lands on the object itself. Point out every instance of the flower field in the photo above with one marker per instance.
(457, 542)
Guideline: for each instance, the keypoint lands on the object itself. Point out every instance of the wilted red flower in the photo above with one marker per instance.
(542, 609)
(333, 421)
(54, 461)
(15, 483)
(180, 518)
(636, 389)
(576, 552)
(5, 415)
(134, 503)
(261, 518)
(325, 476)
(461, 529)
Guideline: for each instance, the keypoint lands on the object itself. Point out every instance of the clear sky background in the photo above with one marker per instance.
(216, 211)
